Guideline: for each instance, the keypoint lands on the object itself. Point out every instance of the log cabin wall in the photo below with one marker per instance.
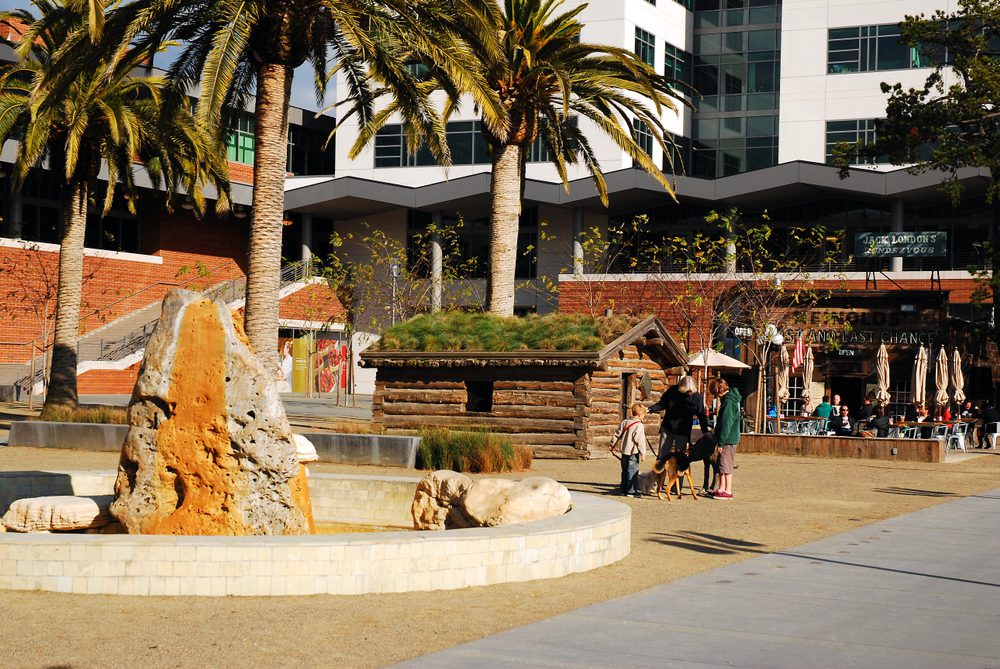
(606, 398)
(545, 408)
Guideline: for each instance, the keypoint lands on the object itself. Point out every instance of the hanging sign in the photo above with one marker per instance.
(927, 244)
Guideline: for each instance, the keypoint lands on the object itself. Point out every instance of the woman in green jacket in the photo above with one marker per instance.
(727, 429)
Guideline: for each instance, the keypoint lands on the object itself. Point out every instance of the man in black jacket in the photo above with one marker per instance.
(680, 405)
(990, 415)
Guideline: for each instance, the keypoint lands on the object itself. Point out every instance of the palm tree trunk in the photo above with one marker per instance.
(62, 377)
(274, 84)
(505, 213)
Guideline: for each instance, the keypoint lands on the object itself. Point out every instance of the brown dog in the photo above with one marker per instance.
(677, 465)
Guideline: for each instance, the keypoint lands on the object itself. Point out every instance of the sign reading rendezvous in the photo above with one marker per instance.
(901, 244)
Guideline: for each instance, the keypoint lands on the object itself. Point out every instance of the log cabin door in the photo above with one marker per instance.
(630, 393)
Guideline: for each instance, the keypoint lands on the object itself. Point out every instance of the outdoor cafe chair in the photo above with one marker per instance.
(957, 436)
(910, 432)
(991, 431)
(939, 432)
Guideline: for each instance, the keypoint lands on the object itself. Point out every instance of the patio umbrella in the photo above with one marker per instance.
(919, 384)
(882, 372)
(941, 378)
(957, 379)
(781, 382)
(807, 376)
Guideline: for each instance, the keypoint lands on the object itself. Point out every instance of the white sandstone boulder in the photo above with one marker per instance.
(447, 499)
(61, 512)
(304, 449)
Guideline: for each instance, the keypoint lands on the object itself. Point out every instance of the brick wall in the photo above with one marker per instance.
(315, 302)
(108, 381)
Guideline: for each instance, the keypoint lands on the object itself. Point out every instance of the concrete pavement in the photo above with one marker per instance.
(918, 591)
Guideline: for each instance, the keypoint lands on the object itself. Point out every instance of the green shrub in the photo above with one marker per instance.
(97, 414)
(473, 451)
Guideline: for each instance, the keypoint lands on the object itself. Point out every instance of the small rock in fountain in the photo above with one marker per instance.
(437, 502)
(209, 449)
(57, 513)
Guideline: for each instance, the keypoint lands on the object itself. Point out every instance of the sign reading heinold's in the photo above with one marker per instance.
(927, 244)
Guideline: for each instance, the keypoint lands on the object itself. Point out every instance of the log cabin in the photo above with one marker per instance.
(561, 403)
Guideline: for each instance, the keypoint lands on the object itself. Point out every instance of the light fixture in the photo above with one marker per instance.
(239, 211)
(3, 171)
(188, 203)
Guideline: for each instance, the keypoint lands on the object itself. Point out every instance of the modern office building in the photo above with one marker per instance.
(779, 83)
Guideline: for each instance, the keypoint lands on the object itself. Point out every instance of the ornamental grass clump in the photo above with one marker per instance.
(99, 414)
(465, 331)
(472, 451)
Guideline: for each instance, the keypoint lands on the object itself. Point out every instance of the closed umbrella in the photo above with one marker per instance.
(941, 379)
(807, 377)
(919, 384)
(882, 371)
(781, 382)
(957, 378)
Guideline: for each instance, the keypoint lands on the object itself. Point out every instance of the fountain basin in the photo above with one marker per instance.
(596, 532)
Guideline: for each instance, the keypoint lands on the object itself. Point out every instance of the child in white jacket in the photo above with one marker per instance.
(630, 439)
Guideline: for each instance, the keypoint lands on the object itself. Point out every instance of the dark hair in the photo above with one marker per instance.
(826, 398)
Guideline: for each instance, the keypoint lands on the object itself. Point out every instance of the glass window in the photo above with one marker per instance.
(850, 132)
(240, 143)
(643, 136)
(869, 49)
(645, 46)
(676, 63)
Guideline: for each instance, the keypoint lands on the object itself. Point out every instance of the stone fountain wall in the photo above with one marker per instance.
(209, 449)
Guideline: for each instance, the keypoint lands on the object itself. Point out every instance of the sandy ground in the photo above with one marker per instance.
(780, 502)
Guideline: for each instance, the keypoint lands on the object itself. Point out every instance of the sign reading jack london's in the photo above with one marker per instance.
(901, 244)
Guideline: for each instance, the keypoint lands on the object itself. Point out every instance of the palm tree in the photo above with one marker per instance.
(242, 48)
(545, 78)
(101, 118)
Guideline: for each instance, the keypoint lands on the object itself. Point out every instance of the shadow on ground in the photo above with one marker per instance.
(711, 544)
(914, 492)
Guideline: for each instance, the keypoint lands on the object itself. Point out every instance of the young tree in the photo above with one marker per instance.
(951, 122)
(106, 116)
(546, 79)
(380, 283)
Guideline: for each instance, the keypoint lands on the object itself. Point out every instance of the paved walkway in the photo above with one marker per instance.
(921, 590)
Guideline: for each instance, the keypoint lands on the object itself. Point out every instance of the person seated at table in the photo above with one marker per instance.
(867, 409)
(967, 412)
(823, 410)
(842, 424)
(922, 414)
(990, 415)
(943, 414)
(881, 423)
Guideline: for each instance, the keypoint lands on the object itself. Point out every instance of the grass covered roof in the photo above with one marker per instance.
(464, 331)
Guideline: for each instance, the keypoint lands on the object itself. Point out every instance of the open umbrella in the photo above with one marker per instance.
(807, 377)
(957, 378)
(919, 384)
(941, 378)
(882, 372)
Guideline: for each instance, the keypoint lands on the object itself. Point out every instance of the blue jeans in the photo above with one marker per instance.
(630, 473)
